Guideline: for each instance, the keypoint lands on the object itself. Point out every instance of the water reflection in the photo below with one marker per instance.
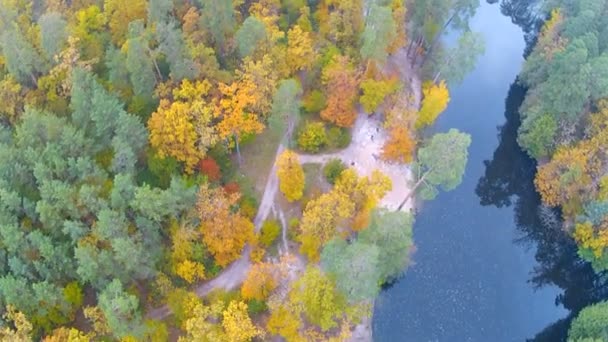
(508, 181)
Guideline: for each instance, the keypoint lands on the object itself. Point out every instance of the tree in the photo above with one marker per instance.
(441, 163)
(320, 219)
(201, 324)
(400, 145)
(392, 233)
(249, 36)
(237, 324)
(172, 45)
(355, 267)
(22, 60)
(300, 49)
(139, 62)
(286, 107)
(591, 324)
(340, 82)
(342, 22)
(260, 282)
(23, 328)
(566, 180)
(120, 310)
(224, 232)
(537, 135)
(286, 322)
(120, 14)
(11, 99)
(217, 17)
(312, 137)
(53, 34)
(455, 63)
(374, 92)
(379, 33)
(172, 133)
(435, 101)
(321, 303)
(291, 175)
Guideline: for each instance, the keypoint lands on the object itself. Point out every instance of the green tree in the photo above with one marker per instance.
(249, 36)
(537, 135)
(441, 163)
(455, 63)
(355, 267)
(53, 34)
(391, 232)
(139, 62)
(591, 324)
(217, 17)
(121, 310)
(286, 107)
(379, 33)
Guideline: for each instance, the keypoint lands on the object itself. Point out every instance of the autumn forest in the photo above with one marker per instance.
(249, 170)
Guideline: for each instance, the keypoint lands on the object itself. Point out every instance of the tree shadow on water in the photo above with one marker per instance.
(508, 181)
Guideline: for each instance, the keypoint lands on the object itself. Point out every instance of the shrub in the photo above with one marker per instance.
(314, 102)
(249, 206)
(210, 168)
(269, 233)
(333, 169)
(338, 137)
(232, 188)
(255, 307)
(312, 137)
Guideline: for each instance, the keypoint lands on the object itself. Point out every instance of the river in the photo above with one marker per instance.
(491, 264)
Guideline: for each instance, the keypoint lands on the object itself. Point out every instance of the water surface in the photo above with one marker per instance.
(491, 264)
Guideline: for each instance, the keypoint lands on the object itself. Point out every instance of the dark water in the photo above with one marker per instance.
(491, 264)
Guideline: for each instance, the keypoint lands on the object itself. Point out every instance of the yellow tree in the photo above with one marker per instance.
(436, 99)
(182, 252)
(232, 111)
(260, 282)
(285, 321)
(225, 232)
(291, 175)
(237, 323)
(399, 16)
(120, 14)
(374, 92)
(200, 325)
(11, 99)
(172, 133)
(300, 50)
(363, 192)
(340, 82)
(320, 220)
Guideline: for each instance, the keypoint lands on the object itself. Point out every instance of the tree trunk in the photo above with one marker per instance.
(437, 36)
(413, 191)
(238, 149)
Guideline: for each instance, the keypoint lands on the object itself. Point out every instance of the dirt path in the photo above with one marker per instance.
(235, 273)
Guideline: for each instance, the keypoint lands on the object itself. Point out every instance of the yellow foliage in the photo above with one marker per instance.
(172, 133)
(120, 13)
(436, 99)
(64, 334)
(200, 326)
(587, 237)
(285, 322)
(300, 51)
(399, 16)
(237, 324)
(374, 92)
(11, 99)
(22, 331)
(260, 282)
(291, 175)
(190, 271)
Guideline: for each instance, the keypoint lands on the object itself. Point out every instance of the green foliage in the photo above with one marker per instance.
(355, 267)
(312, 137)
(455, 63)
(442, 162)
(591, 324)
(72, 293)
(333, 169)
(269, 232)
(249, 36)
(374, 93)
(120, 310)
(379, 33)
(285, 107)
(256, 307)
(139, 62)
(391, 232)
(338, 137)
(53, 34)
(537, 135)
(314, 102)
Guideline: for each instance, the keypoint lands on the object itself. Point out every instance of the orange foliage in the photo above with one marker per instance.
(225, 232)
(399, 146)
(341, 83)
(209, 168)
(260, 282)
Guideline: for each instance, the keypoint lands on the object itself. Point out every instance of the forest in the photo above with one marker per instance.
(138, 138)
(564, 125)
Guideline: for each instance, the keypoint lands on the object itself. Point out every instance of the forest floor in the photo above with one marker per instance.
(362, 154)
